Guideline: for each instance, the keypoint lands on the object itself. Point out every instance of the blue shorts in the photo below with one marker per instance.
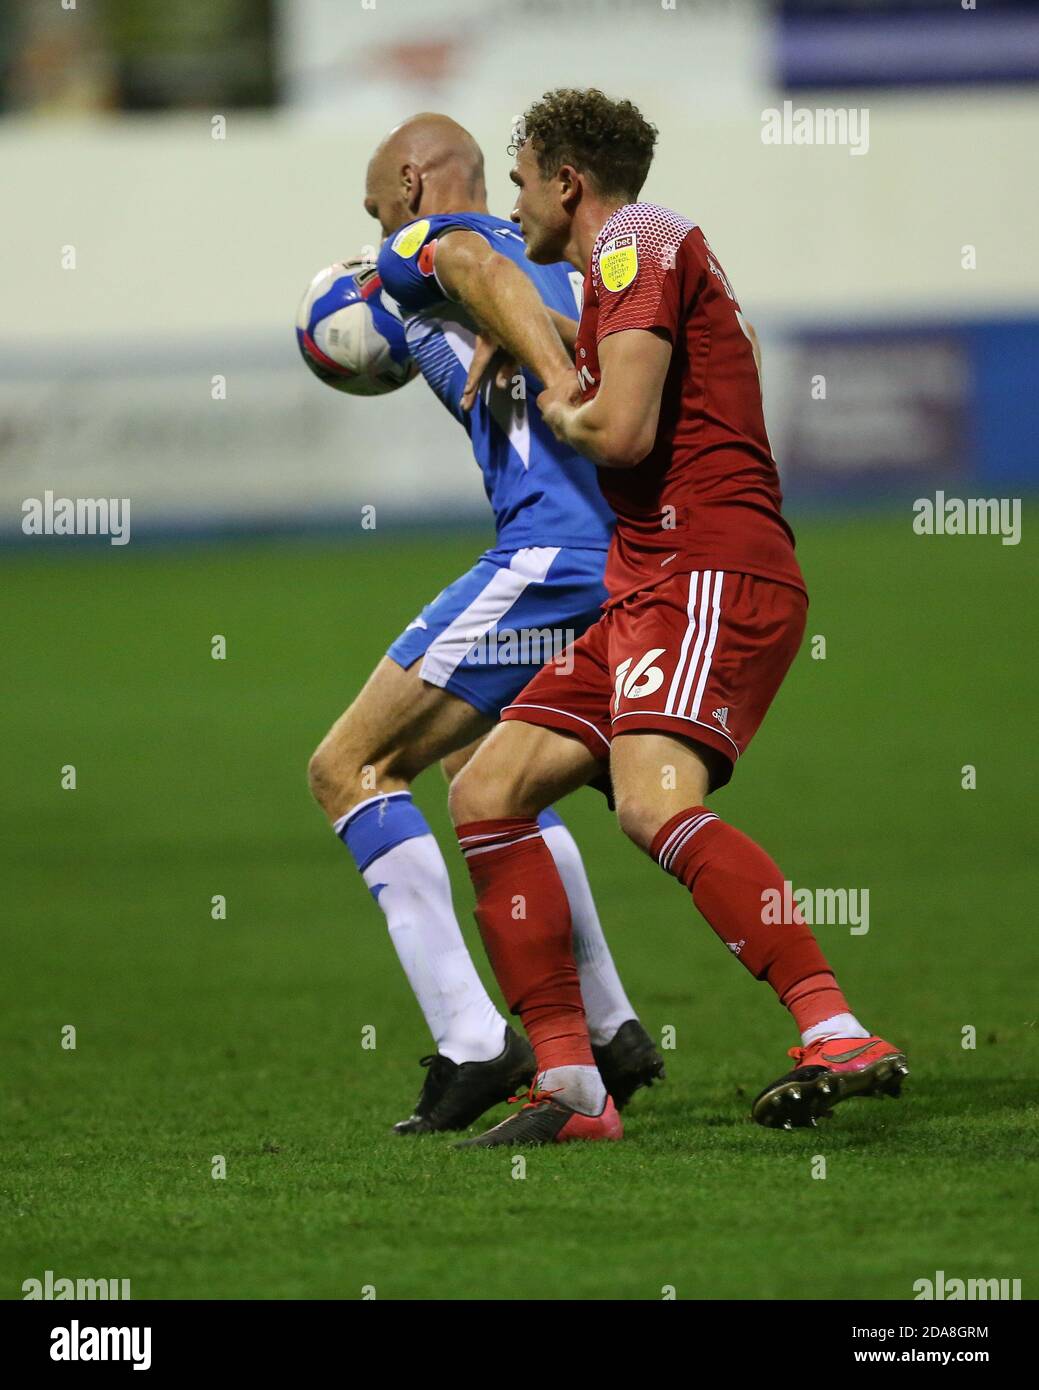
(484, 636)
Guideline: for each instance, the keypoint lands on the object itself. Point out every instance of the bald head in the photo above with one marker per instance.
(428, 164)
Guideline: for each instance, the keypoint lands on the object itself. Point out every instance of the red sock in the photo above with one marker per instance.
(524, 918)
(728, 876)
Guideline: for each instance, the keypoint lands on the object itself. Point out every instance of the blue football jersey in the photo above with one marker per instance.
(542, 493)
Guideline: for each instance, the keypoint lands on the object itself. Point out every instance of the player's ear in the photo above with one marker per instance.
(411, 187)
(568, 181)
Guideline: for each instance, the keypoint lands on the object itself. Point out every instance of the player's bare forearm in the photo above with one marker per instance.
(504, 303)
(507, 305)
(618, 426)
(582, 427)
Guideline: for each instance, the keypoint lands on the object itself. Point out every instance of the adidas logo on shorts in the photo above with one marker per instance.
(721, 715)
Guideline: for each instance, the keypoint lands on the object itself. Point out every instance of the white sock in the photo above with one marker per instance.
(416, 897)
(606, 1005)
(839, 1026)
(579, 1087)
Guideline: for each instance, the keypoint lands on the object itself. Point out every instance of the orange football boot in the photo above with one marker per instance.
(826, 1073)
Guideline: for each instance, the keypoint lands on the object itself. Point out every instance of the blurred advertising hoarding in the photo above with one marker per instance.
(208, 437)
(870, 412)
(905, 43)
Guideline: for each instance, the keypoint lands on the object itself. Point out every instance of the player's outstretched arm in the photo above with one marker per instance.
(505, 304)
(618, 426)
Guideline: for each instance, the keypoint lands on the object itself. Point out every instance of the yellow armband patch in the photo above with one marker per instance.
(410, 238)
(619, 262)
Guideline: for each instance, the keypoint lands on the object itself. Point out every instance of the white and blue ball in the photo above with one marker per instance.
(350, 333)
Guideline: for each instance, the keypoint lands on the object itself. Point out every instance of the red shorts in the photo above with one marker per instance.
(701, 655)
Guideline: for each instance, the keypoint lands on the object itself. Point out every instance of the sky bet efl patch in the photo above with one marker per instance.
(619, 262)
(410, 238)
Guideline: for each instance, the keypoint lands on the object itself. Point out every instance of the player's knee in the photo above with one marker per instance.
(638, 817)
(496, 783)
(477, 794)
(345, 769)
(341, 773)
(320, 775)
(467, 798)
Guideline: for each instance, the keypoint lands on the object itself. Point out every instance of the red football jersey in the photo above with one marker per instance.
(707, 495)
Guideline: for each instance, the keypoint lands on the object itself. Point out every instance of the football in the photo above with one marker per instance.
(350, 332)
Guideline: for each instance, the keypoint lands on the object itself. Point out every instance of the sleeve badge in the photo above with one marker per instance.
(618, 262)
(410, 238)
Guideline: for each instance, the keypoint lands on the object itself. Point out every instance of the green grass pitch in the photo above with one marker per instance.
(242, 1037)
